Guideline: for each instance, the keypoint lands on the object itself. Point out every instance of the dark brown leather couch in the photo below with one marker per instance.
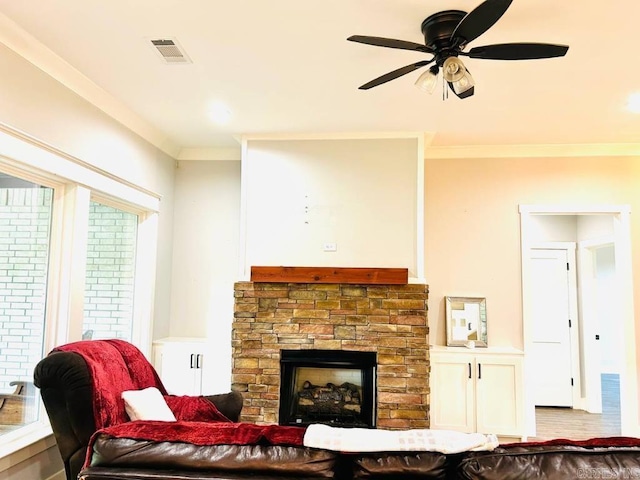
(555, 460)
(66, 389)
(552, 462)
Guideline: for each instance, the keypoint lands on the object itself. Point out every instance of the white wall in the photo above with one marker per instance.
(482, 195)
(553, 228)
(609, 321)
(360, 194)
(205, 260)
(591, 227)
(570, 228)
(34, 103)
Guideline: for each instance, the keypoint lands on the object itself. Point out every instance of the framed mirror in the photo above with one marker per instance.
(466, 319)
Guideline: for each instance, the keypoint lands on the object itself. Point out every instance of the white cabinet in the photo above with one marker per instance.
(477, 390)
(180, 362)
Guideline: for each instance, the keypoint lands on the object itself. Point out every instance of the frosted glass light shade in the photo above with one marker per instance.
(464, 83)
(427, 81)
(453, 69)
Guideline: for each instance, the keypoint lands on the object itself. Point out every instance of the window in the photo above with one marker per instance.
(25, 234)
(110, 270)
(69, 265)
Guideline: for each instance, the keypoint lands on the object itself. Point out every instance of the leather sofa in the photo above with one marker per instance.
(67, 389)
(549, 462)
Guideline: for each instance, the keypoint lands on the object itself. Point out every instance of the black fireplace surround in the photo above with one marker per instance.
(333, 387)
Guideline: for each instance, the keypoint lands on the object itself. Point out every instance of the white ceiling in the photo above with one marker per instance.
(285, 67)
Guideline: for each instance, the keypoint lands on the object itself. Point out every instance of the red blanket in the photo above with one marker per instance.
(116, 366)
(591, 443)
(203, 433)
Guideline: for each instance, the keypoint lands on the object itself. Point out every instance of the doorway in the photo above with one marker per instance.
(584, 228)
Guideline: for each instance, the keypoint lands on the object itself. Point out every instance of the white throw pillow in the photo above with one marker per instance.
(147, 404)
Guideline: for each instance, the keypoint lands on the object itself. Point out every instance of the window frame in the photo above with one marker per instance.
(75, 184)
(144, 265)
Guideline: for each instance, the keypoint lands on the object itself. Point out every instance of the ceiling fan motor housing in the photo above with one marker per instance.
(437, 30)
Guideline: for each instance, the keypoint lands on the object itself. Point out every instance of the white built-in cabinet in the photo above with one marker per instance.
(180, 362)
(477, 390)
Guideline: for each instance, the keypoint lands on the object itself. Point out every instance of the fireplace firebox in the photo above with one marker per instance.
(335, 387)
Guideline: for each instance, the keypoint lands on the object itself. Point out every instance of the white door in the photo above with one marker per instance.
(551, 348)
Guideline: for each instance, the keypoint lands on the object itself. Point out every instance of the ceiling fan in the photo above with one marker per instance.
(446, 35)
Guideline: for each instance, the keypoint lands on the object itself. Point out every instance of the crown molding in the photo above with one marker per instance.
(534, 151)
(337, 136)
(37, 157)
(232, 153)
(32, 50)
(209, 154)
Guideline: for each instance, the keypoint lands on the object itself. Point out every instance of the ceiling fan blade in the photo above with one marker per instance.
(479, 20)
(387, 77)
(390, 43)
(465, 94)
(518, 51)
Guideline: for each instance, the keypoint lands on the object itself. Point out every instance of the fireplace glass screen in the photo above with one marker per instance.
(327, 386)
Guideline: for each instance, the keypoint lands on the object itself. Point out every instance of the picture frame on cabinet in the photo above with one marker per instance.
(466, 321)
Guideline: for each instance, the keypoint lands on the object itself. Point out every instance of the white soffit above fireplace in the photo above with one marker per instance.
(364, 196)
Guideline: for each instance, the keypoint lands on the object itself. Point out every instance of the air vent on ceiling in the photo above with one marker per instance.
(170, 50)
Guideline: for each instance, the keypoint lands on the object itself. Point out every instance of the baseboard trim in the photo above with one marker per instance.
(57, 476)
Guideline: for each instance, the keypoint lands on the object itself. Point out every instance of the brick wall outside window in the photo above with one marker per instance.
(108, 307)
(25, 218)
(25, 215)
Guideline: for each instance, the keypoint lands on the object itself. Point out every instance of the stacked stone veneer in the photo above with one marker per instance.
(388, 319)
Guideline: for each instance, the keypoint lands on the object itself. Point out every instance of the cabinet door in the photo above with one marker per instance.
(499, 395)
(180, 368)
(452, 393)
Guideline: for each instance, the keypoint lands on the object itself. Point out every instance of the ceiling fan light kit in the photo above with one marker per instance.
(446, 35)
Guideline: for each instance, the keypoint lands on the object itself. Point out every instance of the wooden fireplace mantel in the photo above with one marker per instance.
(361, 276)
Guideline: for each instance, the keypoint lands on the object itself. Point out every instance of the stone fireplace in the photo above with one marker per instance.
(389, 320)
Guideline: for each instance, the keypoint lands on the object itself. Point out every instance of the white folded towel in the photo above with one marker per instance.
(374, 440)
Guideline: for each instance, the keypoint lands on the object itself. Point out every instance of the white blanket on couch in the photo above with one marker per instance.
(373, 440)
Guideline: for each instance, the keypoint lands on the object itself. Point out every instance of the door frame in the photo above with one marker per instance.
(622, 244)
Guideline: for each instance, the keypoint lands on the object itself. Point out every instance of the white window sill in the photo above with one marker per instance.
(18, 446)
